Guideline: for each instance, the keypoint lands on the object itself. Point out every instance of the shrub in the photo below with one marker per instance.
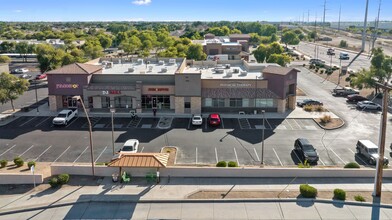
(307, 191)
(221, 164)
(308, 108)
(317, 70)
(54, 182)
(321, 71)
(303, 65)
(343, 44)
(63, 178)
(232, 164)
(359, 198)
(305, 164)
(325, 119)
(18, 161)
(319, 108)
(30, 164)
(352, 165)
(339, 194)
(3, 163)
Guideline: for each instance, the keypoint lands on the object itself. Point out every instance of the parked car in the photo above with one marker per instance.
(368, 105)
(130, 146)
(345, 91)
(330, 51)
(25, 76)
(316, 61)
(370, 151)
(355, 98)
(20, 70)
(308, 102)
(197, 120)
(344, 56)
(306, 150)
(214, 119)
(41, 76)
(65, 116)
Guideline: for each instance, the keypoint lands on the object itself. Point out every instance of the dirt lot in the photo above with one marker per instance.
(367, 195)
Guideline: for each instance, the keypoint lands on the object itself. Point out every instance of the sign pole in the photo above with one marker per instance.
(32, 171)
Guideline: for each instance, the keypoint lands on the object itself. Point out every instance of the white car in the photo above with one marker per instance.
(21, 70)
(197, 120)
(130, 146)
(368, 105)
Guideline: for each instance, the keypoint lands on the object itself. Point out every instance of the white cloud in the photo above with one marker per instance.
(17, 11)
(141, 2)
(136, 19)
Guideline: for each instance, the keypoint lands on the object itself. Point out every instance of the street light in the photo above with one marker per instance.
(90, 131)
(112, 110)
(262, 137)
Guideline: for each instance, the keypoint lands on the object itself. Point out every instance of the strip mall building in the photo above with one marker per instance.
(174, 86)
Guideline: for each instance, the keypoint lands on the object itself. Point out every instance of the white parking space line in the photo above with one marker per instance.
(42, 153)
(296, 155)
(196, 155)
(72, 122)
(62, 154)
(137, 125)
(281, 164)
(322, 161)
(216, 155)
(289, 124)
(41, 122)
(205, 125)
(297, 123)
(357, 156)
(268, 124)
(236, 157)
(100, 154)
(141, 151)
(26, 122)
(26, 150)
(189, 124)
(344, 162)
(223, 125)
(80, 155)
(258, 158)
(8, 150)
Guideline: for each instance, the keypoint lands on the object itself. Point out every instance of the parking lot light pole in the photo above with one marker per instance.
(113, 110)
(262, 138)
(36, 95)
(90, 131)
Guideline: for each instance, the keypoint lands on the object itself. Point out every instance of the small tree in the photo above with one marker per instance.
(11, 87)
(289, 37)
(195, 51)
(343, 44)
(5, 59)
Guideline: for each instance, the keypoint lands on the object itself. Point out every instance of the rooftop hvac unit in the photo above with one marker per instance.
(164, 70)
(150, 68)
(227, 66)
(140, 61)
(243, 73)
(229, 74)
(219, 70)
(236, 70)
(109, 65)
(172, 61)
(161, 62)
(131, 70)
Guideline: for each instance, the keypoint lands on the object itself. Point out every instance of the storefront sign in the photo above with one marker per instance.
(235, 85)
(158, 89)
(67, 86)
(111, 92)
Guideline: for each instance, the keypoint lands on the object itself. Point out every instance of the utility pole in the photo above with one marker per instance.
(315, 36)
(381, 142)
(325, 8)
(364, 27)
(308, 16)
(340, 12)
(376, 26)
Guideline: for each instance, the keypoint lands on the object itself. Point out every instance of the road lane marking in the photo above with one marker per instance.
(80, 154)
(236, 157)
(289, 124)
(137, 125)
(322, 161)
(344, 162)
(357, 156)
(297, 123)
(141, 151)
(216, 155)
(26, 150)
(268, 124)
(26, 122)
(196, 155)
(205, 125)
(281, 164)
(8, 150)
(42, 153)
(41, 122)
(72, 122)
(62, 154)
(100, 154)
(258, 158)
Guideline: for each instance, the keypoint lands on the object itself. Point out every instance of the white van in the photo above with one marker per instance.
(344, 56)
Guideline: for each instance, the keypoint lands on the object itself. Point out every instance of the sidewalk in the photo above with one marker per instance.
(176, 190)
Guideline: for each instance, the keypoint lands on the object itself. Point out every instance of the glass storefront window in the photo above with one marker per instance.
(123, 102)
(105, 101)
(208, 102)
(264, 103)
(235, 102)
(245, 102)
(218, 102)
(162, 101)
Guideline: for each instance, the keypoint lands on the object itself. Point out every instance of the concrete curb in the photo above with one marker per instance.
(330, 129)
(158, 201)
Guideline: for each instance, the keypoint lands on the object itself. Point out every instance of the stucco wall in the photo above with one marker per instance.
(179, 105)
(196, 105)
(16, 178)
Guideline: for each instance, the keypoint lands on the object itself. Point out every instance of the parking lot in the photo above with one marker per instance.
(236, 139)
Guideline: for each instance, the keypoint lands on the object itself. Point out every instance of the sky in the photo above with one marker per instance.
(190, 10)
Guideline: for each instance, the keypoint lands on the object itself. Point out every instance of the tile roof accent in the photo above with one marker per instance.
(76, 68)
(141, 160)
(278, 70)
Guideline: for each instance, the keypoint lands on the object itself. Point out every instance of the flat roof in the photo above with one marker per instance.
(140, 68)
(221, 71)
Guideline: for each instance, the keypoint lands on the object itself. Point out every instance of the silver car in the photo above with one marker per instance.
(197, 120)
(368, 105)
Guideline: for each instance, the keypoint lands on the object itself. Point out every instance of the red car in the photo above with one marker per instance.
(41, 76)
(214, 119)
(355, 98)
